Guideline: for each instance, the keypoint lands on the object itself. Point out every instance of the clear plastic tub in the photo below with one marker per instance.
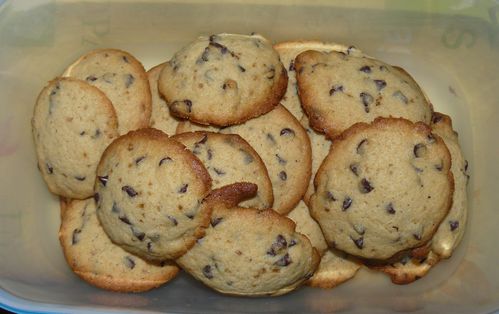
(450, 47)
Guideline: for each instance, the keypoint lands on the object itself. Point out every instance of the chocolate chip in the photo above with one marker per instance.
(97, 134)
(125, 59)
(103, 179)
(247, 156)
(91, 78)
(207, 272)
(355, 168)
(330, 196)
(284, 261)
(183, 189)
(129, 190)
(173, 220)
(465, 165)
(398, 94)
(365, 186)
(215, 221)
(292, 243)
(271, 138)
(336, 88)
(50, 169)
(365, 69)
(80, 178)
(454, 224)
(359, 243)
(390, 209)
(287, 131)
(75, 238)
(129, 262)
(281, 160)
(209, 154)
(292, 65)
(405, 259)
(203, 139)
(366, 99)
(419, 150)
(223, 49)
(212, 37)
(416, 236)
(279, 244)
(241, 68)
(125, 219)
(347, 202)
(129, 80)
(431, 138)
(190, 216)
(350, 49)
(440, 166)
(138, 160)
(360, 229)
(219, 172)
(436, 118)
(138, 234)
(380, 84)
(283, 176)
(96, 197)
(82, 133)
(149, 246)
(165, 159)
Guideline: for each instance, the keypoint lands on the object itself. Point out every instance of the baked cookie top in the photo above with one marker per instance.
(223, 79)
(93, 257)
(124, 81)
(72, 124)
(284, 147)
(383, 188)
(250, 252)
(230, 159)
(337, 90)
(161, 118)
(287, 52)
(149, 190)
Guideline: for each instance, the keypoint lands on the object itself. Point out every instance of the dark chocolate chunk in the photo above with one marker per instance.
(129, 262)
(103, 179)
(125, 59)
(419, 150)
(281, 160)
(390, 209)
(125, 219)
(203, 139)
(138, 160)
(190, 216)
(223, 49)
(91, 78)
(380, 84)
(283, 176)
(75, 237)
(241, 68)
(365, 69)
(82, 133)
(359, 243)
(207, 272)
(80, 178)
(215, 221)
(173, 220)
(330, 196)
(347, 202)
(287, 131)
(50, 169)
(129, 80)
(219, 171)
(440, 166)
(398, 94)
(138, 234)
(165, 159)
(183, 189)
(283, 261)
(454, 224)
(336, 88)
(278, 245)
(436, 118)
(360, 147)
(129, 190)
(355, 168)
(365, 186)
(366, 99)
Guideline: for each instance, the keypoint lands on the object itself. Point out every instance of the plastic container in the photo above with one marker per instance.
(451, 48)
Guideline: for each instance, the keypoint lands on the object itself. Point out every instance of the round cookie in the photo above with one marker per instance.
(284, 147)
(451, 230)
(161, 118)
(229, 159)
(320, 148)
(247, 251)
(149, 192)
(72, 124)
(338, 89)
(223, 79)
(335, 266)
(383, 188)
(287, 52)
(94, 258)
(124, 81)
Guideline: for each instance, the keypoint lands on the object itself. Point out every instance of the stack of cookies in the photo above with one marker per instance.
(254, 168)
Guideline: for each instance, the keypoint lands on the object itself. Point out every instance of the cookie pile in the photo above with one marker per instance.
(254, 168)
